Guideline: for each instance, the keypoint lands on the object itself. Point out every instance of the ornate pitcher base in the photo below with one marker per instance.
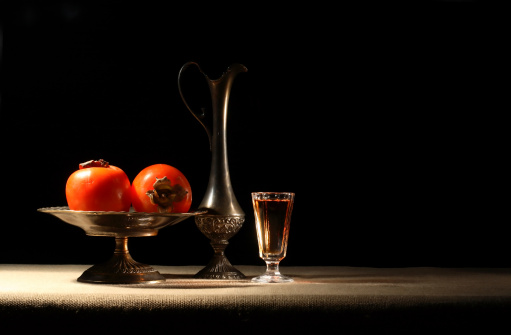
(219, 228)
(219, 268)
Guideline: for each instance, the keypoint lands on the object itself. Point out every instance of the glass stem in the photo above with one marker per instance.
(272, 268)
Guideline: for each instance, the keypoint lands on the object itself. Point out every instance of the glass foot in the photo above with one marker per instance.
(272, 274)
(271, 278)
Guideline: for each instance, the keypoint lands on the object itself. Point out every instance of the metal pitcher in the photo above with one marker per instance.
(224, 216)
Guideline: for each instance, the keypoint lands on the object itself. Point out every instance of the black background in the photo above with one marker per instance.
(383, 123)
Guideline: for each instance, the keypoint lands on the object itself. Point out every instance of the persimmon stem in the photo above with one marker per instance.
(164, 194)
(94, 163)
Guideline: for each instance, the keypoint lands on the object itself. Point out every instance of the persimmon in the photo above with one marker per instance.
(98, 186)
(161, 188)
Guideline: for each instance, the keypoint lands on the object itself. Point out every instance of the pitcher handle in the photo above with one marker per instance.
(200, 116)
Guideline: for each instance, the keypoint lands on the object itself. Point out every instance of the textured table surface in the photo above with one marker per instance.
(353, 299)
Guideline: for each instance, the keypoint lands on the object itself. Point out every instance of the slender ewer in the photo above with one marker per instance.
(224, 216)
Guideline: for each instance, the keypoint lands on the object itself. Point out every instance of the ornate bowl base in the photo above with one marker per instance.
(121, 269)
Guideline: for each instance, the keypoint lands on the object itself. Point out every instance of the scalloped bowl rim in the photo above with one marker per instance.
(65, 209)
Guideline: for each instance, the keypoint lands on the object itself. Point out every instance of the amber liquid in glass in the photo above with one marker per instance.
(273, 218)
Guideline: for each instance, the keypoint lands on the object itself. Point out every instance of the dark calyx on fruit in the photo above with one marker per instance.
(164, 194)
(94, 163)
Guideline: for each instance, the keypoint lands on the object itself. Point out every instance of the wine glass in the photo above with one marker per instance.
(272, 212)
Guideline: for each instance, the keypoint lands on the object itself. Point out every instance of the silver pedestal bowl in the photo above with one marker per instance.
(121, 268)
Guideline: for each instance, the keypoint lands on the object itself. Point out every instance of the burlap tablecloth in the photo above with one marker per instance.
(331, 299)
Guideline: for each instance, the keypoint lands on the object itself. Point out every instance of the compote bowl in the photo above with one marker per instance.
(121, 268)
